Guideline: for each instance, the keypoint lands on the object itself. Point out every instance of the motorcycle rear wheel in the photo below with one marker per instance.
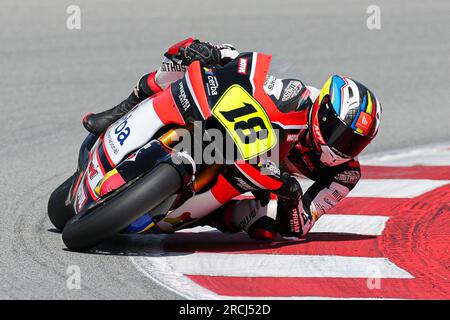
(83, 232)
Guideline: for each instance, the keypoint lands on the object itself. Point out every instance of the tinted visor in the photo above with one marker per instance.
(339, 136)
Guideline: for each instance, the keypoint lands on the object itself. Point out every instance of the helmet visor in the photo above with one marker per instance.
(338, 135)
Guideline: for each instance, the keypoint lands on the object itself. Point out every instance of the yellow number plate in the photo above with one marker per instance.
(246, 121)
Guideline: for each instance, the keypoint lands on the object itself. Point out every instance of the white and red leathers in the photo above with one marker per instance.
(262, 219)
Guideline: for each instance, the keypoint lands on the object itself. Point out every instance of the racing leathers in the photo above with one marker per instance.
(173, 67)
(286, 211)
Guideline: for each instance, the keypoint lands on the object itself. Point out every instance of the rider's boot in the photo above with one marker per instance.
(97, 123)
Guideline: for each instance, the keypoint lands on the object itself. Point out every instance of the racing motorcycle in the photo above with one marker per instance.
(134, 168)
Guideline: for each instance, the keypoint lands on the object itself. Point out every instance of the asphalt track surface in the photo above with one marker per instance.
(51, 76)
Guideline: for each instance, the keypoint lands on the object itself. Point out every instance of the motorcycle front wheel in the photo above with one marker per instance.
(58, 212)
(83, 232)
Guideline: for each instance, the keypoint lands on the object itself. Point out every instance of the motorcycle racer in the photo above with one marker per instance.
(173, 67)
(343, 118)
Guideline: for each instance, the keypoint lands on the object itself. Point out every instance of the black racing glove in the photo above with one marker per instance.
(292, 220)
(202, 51)
(263, 196)
(290, 190)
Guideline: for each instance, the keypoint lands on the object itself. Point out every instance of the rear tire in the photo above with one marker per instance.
(83, 232)
(57, 211)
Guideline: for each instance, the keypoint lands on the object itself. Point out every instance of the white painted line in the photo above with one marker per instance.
(155, 267)
(389, 188)
(431, 155)
(332, 223)
(393, 188)
(187, 288)
(349, 223)
(271, 265)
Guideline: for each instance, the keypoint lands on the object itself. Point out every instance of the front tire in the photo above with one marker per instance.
(83, 232)
(58, 212)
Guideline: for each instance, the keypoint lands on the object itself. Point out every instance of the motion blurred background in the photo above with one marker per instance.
(50, 77)
(56, 75)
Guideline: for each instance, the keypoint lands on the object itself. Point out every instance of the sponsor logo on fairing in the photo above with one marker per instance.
(122, 131)
(185, 104)
(212, 85)
(92, 171)
(269, 166)
(243, 185)
(82, 198)
(242, 65)
(111, 143)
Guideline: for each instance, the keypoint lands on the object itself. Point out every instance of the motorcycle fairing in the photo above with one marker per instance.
(249, 70)
(129, 133)
(170, 107)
